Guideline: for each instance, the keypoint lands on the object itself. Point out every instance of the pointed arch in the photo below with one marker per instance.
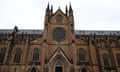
(118, 58)
(2, 54)
(83, 70)
(59, 69)
(17, 56)
(33, 70)
(81, 54)
(105, 59)
(59, 62)
(35, 55)
(59, 66)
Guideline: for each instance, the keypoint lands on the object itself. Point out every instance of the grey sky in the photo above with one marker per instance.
(88, 14)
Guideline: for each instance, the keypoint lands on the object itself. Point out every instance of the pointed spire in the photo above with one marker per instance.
(48, 9)
(15, 29)
(59, 8)
(51, 9)
(70, 8)
(66, 10)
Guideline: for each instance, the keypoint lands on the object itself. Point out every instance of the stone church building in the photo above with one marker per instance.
(59, 47)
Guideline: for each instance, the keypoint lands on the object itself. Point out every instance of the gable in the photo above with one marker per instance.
(57, 56)
(57, 14)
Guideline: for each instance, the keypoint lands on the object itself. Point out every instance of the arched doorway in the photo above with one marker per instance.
(83, 70)
(59, 66)
(58, 69)
(33, 70)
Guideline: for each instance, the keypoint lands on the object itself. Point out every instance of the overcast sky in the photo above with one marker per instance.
(88, 14)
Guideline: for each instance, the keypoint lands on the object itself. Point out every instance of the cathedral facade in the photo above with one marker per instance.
(59, 47)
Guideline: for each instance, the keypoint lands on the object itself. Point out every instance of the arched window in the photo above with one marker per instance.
(17, 56)
(83, 70)
(81, 54)
(59, 19)
(2, 54)
(105, 60)
(33, 70)
(118, 58)
(35, 54)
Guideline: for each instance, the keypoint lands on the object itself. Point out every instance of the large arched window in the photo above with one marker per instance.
(105, 59)
(118, 58)
(81, 54)
(2, 54)
(17, 56)
(35, 55)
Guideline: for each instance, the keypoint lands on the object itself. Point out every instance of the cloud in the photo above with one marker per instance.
(88, 14)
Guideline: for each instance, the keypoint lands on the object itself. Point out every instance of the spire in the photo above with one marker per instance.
(59, 7)
(51, 9)
(48, 9)
(70, 10)
(15, 29)
(66, 10)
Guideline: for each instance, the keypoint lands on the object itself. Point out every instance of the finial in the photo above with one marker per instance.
(48, 7)
(66, 10)
(15, 28)
(59, 7)
(51, 9)
(70, 8)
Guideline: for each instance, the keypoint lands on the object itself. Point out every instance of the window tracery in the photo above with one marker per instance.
(59, 34)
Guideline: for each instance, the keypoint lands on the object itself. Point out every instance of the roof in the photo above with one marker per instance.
(5, 31)
(90, 32)
(77, 32)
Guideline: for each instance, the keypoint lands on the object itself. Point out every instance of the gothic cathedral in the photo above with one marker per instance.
(59, 47)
